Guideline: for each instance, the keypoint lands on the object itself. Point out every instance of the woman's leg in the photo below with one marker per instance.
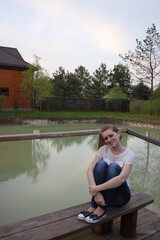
(100, 172)
(119, 196)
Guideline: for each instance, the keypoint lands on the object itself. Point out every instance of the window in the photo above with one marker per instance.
(4, 91)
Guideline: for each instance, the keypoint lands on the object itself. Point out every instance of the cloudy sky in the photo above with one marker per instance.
(70, 33)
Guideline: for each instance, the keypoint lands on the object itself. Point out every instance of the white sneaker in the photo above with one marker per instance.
(82, 215)
(94, 218)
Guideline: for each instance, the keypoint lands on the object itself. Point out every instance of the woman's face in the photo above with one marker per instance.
(111, 138)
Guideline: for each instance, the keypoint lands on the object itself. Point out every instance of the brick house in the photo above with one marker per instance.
(12, 66)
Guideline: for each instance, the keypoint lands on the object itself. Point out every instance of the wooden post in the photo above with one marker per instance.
(101, 228)
(128, 224)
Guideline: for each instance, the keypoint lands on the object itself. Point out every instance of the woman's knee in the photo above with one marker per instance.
(100, 167)
(114, 170)
(100, 172)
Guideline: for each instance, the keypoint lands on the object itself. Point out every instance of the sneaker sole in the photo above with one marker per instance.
(94, 221)
(81, 218)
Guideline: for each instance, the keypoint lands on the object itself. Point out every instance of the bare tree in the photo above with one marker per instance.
(144, 62)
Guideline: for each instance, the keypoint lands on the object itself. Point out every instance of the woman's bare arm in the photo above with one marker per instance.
(112, 183)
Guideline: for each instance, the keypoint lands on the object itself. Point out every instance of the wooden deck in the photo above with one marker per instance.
(148, 228)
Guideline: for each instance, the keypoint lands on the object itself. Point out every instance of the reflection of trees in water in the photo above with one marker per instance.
(62, 143)
(40, 155)
(152, 179)
(147, 162)
(41, 150)
(93, 142)
(146, 170)
(124, 139)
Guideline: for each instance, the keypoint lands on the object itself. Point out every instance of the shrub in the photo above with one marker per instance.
(117, 100)
(15, 103)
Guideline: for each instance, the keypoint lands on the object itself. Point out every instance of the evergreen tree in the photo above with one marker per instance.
(141, 91)
(59, 82)
(156, 93)
(84, 78)
(120, 76)
(99, 81)
(73, 86)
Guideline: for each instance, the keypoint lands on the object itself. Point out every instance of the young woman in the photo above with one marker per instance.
(108, 176)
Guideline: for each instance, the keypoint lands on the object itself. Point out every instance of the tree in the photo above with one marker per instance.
(59, 81)
(156, 93)
(73, 86)
(36, 84)
(99, 81)
(66, 84)
(141, 91)
(43, 87)
(84, 78)
(144, 63)
(120, 76)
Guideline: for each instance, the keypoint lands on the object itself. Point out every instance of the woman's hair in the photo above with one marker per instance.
(110, 126)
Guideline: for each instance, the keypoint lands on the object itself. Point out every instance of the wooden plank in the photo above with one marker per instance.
(155, 236)
(57, 229)
(65, 222)
(150, 227)
(42, 220)
(146, 215)
(18, 137)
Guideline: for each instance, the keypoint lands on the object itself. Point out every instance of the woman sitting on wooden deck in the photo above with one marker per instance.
(108, 176)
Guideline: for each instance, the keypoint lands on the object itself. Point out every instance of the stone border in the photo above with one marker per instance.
(39, 122)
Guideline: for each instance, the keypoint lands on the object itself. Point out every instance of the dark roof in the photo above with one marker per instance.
(11, 58)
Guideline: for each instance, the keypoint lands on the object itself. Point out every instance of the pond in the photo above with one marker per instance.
(42, 176)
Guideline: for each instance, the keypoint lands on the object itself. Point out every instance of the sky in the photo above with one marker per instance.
(70, 33)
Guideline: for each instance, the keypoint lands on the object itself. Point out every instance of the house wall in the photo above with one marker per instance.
(12, 78)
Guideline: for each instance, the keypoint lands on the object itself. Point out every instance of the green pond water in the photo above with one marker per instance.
(42, 176)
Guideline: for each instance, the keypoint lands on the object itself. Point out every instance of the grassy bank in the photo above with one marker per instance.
(77, 115)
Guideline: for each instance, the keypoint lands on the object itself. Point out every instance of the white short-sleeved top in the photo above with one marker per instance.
(126, 157)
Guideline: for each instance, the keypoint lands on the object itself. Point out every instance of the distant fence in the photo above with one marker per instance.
(86, 104)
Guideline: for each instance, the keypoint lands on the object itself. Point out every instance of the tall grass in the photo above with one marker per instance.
(153, 108)
(137, 106)
(145, 107)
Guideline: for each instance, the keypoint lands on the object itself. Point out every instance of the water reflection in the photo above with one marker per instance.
(40, 156)
(15, 159)
(43, 150)
(50, 174)
(145, 174)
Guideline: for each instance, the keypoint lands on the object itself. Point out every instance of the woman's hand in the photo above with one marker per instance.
(99, 199)
(93, 190)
